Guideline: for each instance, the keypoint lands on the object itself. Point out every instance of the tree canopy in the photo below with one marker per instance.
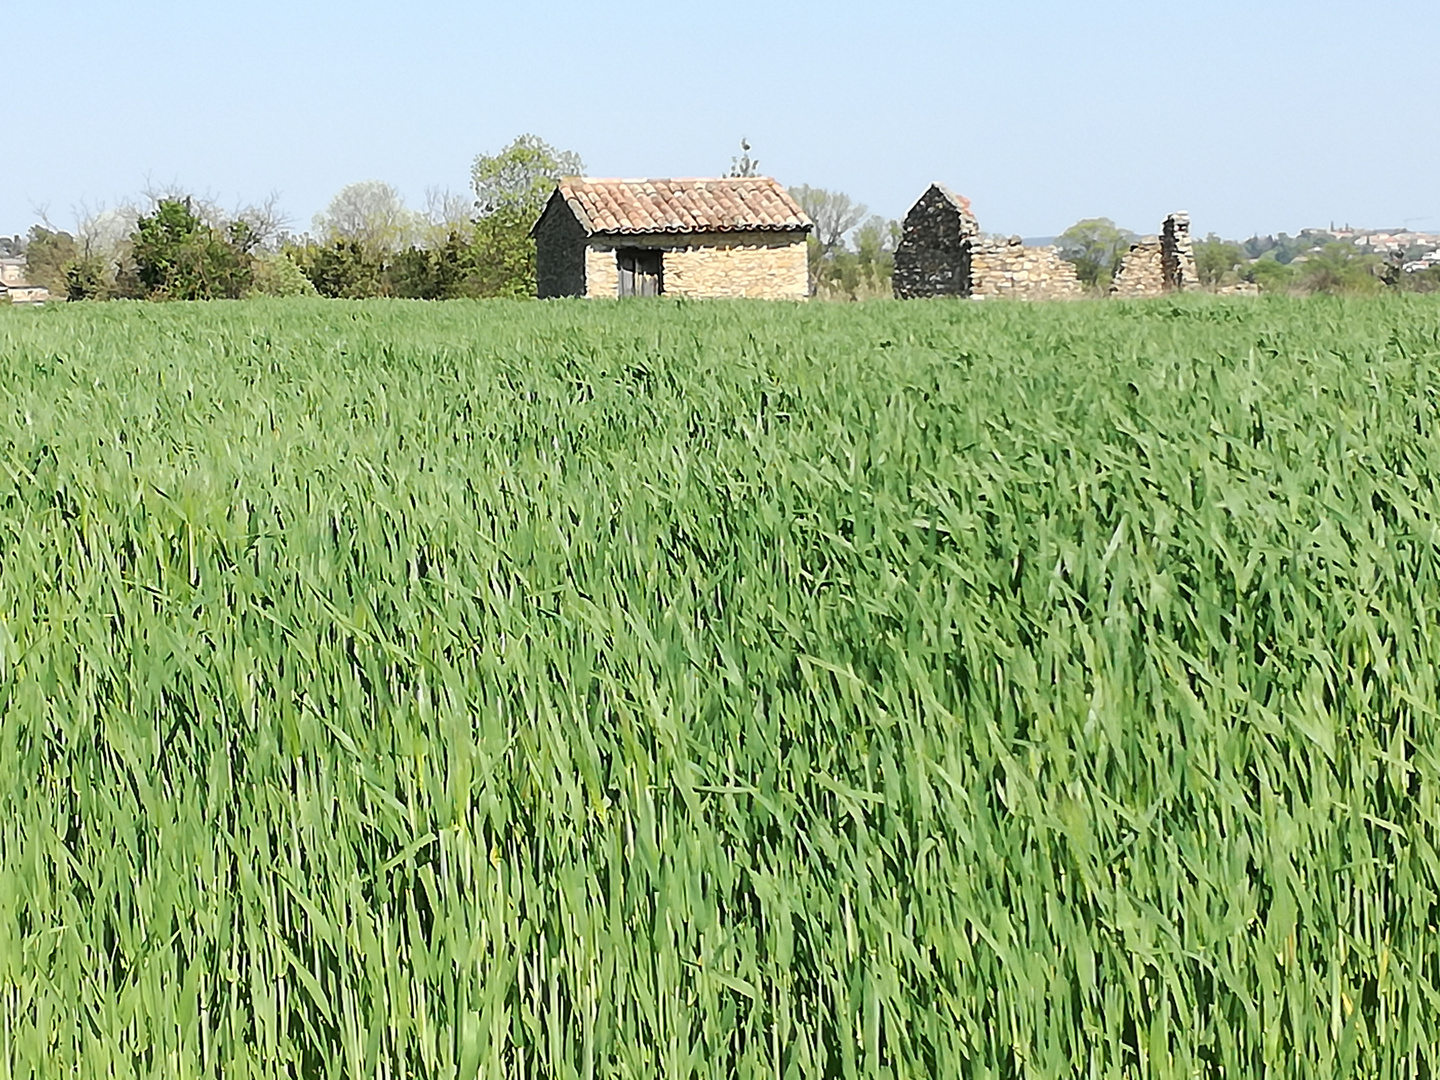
(520, 177)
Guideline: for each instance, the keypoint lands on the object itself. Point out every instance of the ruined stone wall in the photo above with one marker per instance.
(1159, 264)
(1142, 273)
(933, 256)
(1008, 269)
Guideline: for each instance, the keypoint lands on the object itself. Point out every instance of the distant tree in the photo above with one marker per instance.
(90, 277)
(342, 269)
(1096, 247)
(178, 256)
(744, 164)
(371, 214)
(1271, 274)
(511, 189)
(1339, 269)
(47, 254)
(1218, 262)
(834, 214)
(520, 177)
(278, 274)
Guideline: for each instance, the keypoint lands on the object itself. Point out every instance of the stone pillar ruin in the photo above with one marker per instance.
(1178, 254)
(1157, 265)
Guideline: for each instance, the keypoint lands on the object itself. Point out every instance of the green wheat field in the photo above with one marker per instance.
(677, 690)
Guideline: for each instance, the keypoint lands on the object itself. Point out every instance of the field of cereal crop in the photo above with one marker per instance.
(706, 690)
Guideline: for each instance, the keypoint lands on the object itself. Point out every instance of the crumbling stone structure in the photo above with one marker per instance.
(1157, 265)
(1007, 268)
(943, 253)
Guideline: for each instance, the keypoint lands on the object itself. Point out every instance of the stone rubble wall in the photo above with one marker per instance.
(1010, 270)
(1159, 264)
(1142, 273)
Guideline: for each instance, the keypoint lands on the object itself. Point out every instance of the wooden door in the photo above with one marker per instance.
(641, 272)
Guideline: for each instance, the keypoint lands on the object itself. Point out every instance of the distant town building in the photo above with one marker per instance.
(15, 288)
(723, 237)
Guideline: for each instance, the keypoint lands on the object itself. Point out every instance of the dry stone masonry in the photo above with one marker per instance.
(933, 257)
(943, 253)
(1009, 269)
(1159, 264)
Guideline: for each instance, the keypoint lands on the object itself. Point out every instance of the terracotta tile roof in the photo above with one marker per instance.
(728, 204)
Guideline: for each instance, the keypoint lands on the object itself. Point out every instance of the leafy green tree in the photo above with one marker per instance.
(178, 256)
(342, 269)
(277, 274)
(1219, 262)
(521, 176)
(47, 254)
(1339, 269)
(1271, 274)
(1096, 247)
(88, 277)
(371, 214)
(511, 189)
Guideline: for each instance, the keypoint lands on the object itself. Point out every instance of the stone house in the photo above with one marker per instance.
(13, 286)
(942, 252)
(724, 237)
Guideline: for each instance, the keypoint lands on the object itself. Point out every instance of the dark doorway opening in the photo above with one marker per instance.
(641, 272)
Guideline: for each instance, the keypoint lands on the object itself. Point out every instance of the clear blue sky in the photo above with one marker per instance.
(1254, 115)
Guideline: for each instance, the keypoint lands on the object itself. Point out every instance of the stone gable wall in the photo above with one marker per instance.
(933, 256)
(559, 253)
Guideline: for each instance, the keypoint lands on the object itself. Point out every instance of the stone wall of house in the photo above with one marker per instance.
(933, 256)
(23, 294)
(1159, 264)
(761, 266)
(753, 265)
(1008, 269)
(560, 261)
(602, 272)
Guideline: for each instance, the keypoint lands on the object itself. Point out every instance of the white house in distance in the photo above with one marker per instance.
(14, 287)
